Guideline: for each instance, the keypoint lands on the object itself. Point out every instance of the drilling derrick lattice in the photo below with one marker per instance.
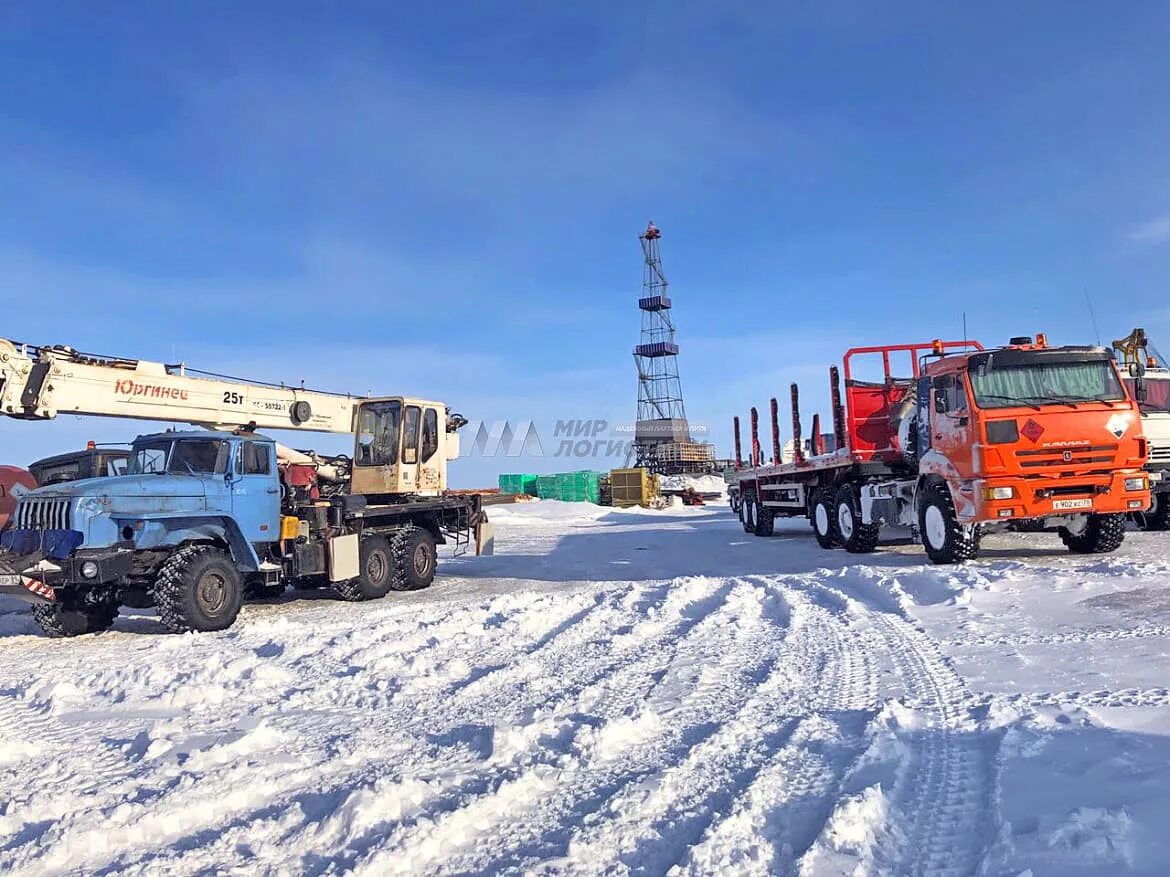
(662, 435)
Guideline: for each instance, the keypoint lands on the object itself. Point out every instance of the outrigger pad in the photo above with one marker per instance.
(54, 544)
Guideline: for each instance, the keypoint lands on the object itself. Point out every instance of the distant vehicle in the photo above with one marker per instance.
(14, 483)
(93, 462)
(1148, 379)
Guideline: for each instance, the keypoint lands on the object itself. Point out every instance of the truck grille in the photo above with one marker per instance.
(1160, 453)
(1077, 456)
(43, 514)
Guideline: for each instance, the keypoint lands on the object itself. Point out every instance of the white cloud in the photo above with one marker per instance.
(1153, 231)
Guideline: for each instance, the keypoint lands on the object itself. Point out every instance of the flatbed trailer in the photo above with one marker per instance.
(932, 449)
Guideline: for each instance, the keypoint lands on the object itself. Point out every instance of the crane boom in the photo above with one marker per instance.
(38, 383)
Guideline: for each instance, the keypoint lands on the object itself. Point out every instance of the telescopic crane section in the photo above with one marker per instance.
(38, 383)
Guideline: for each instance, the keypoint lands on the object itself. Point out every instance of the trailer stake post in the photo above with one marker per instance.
(775, 432)
(755, 437)
(738, 452)
(797, 447)
(838, 409)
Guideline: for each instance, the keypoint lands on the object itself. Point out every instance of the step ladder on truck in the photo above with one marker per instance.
(952, 441)
(204, 517)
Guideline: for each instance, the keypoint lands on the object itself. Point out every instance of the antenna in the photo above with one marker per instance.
(1092, 316)
(964, 329)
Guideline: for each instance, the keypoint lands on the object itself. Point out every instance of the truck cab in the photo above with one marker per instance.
(82, 545)
(1030, 433)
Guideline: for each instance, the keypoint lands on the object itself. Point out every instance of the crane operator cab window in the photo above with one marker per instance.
(378, 428)
(410, 435)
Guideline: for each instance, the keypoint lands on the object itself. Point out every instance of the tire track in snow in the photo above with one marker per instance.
(943, 804)
(655, 618)
(1070, 637)
(647, 721)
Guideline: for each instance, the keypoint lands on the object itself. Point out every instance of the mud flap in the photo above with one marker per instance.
(485, 538)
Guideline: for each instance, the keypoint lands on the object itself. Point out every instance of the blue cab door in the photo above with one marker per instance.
(256, 491)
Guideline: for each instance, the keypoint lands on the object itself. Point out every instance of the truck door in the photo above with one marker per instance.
(430, 460)
(951, 433)
(256, 492)
(411, 421)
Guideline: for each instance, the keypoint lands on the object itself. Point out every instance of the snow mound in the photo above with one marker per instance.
(698, 483)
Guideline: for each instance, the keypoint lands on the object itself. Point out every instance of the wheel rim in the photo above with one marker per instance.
(822, 519)
(845, 520)
(422, 560)
(376, 567)
(212, 593)
(936, 527)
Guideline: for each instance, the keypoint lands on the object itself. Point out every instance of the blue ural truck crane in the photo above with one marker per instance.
(203, 518)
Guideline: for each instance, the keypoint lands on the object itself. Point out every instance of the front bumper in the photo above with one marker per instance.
(1045, 497)
(33, 578)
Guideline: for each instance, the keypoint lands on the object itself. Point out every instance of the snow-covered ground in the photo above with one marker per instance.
(618, 691)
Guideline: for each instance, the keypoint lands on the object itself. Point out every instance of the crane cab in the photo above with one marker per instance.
(402, 446)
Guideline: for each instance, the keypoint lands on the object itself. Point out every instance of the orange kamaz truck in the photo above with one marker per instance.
(952, 441)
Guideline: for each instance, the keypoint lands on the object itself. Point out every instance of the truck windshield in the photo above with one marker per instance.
(1046, 384)
(183, 457)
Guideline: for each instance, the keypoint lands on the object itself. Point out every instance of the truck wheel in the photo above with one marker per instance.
(856, 537)
(376, 576)
(1100, 535)
(415, 559)
(1157, 518)
(57, 621)
(945, 539)
(765, 520)
(198, 588)
(822, 520)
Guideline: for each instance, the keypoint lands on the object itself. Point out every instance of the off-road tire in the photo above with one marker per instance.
(1102, 534)
(1157, 518)
(945, 539)
(58, 621)
(747, 513)
(765, 520)
(856, 537)
(415, 559)
(198, 588)
(377, 570)
(821, 517)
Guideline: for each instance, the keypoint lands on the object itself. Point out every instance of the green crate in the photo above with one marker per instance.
(523, 483)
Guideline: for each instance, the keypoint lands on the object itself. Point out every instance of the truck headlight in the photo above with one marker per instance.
(998, 492)
(89, 570)
(1135, 484)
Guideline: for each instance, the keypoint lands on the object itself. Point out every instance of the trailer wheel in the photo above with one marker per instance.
(765, 520)
(1157, 518)
(747, 513)
(58, 621)
(821, 515)
(1100, 535)
(198, 588)
(376, 572)
(856, 537)
(945, 539)
(415, 559)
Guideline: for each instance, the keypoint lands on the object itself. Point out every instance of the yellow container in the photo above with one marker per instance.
(631, 487)
(289, 527)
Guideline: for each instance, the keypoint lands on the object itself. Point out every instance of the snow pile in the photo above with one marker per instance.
(618, 691)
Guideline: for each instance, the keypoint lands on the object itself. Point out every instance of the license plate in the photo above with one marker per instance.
(10, 580)
(1062, 504)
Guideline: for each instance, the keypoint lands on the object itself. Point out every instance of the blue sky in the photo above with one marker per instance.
(444, 200)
